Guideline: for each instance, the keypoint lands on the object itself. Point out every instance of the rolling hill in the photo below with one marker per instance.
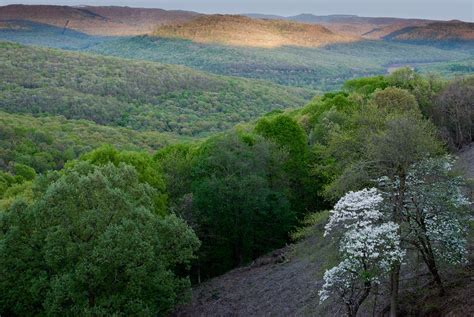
(40, 34)
(352, 25)
(322, 68)
(134, 94)
(242, 31)
(437, 31)
(96, 20)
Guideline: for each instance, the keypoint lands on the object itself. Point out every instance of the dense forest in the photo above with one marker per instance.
(107, 221)
(47, 142)
(134, 94)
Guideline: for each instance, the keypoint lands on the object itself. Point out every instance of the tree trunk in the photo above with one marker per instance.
(397, 218)
(354, 308)
(436, 277)
(91, 298)
(199, 273)
(394, 284)
(426, 250)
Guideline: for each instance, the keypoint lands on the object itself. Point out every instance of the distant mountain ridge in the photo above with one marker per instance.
(254, 29)
(244, 31)
(96, 20)
(346, 24)
(438, 31)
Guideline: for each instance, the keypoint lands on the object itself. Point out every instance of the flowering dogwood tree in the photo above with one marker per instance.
(432, 217)
(370, 245)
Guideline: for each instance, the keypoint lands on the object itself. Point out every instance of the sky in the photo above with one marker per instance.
(429, 9)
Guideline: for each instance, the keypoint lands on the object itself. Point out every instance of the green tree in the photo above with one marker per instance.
(291, 138)
(240, 194)
(367, 85)
(394, 99)
(176, 163)
(381, 141)
(91, 245)
(149, 171)
(24, 171)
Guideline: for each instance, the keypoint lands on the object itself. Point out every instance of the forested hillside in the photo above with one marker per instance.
(48, 142)
(170, 163)
(122, 226)
(321, 68)
(238, 30)
(436, 32)
(34, 33)
(133, 94)
(364, 137)
(367, 27)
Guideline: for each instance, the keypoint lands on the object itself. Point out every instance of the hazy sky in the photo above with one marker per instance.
(432, 9)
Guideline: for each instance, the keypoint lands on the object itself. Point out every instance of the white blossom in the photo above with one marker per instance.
(435, 208)
(369, 246)
(356, 209)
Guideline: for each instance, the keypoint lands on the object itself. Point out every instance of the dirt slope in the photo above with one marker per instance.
(272, 289)
(291, 289)
(243, 31)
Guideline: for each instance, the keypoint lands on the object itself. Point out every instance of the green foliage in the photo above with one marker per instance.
(18, 190)
(91, 245)
(148, 170)
(377, 135)
(24, 171)
(133, 94)
(240, 194)
(450, 69)
(307, 227)
(367, 85)
(291, 138)
(404, 140)
(339, 101)
(176, 162)
(325, 68)
(47, 143)
(394, 99)
(285, 132)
